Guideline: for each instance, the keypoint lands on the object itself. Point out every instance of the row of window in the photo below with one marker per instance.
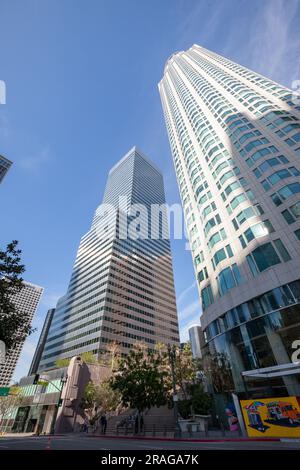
(279, 175)
(268, 164)
(256, 231)
(285, 192)
(265, 256)
(208, 209)
(237, 200)
(245, 214)
(241, 183)
(258, 154)
(292, 213)
(228, 278)
(275, 299)
(216, 237)
(260, 259)
(221, 254)
(212, 223)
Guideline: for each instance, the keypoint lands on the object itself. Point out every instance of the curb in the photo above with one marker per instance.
(178, 439)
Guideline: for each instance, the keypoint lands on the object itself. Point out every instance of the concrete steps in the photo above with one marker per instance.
(157, 421)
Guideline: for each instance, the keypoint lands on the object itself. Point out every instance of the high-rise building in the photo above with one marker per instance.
(235, 140)
(26, 302)
(41, 342)
(196, 340)
(5, 164)
(121, 289)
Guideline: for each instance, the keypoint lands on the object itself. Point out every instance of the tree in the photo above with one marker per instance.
(199, 402)
(8, 403)
(141, 380)
(111, 356)
(62, 362)
(99, 398)
(88, 357)
(217, 367)
(185, 367)
(89, 399)
(14, 325)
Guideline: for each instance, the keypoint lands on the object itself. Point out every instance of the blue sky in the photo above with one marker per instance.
(81, 78)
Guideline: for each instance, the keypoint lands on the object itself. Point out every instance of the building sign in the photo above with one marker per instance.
(272, 417)
(4, 391)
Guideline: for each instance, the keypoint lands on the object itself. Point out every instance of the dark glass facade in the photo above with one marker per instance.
(258, 334)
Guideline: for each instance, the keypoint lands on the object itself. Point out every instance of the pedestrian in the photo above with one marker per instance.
(103, 422)
(86, 427)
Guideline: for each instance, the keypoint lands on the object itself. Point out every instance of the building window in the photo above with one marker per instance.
(228, 278)
(258, 230)
(282, 250)
(264, 256)
(202, 275)
(295, 209)
(207, 297)
(288, 216)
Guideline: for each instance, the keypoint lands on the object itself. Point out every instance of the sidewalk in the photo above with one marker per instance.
(158, 438)
(188, 439)
(17, 434)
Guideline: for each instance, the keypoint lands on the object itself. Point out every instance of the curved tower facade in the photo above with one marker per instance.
(235, 141)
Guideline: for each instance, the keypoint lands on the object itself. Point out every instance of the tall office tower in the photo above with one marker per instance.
(121, 290)
(196, 340)
(41, 342)
(235, 140)
(26, 302)
(5, 164)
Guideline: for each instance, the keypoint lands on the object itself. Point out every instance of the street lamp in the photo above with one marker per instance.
(172, 358)
(63, 381)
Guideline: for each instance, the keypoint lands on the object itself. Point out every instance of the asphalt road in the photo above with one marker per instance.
(75, 442)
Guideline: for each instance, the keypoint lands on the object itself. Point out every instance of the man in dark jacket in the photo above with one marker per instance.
(103, 422)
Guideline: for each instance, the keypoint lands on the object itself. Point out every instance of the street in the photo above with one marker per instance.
(75, 442)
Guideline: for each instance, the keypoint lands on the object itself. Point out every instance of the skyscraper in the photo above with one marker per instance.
(235, 140)
(121, 289)
(5, 164)
(41, 343)
(196, 340)
(26, 302)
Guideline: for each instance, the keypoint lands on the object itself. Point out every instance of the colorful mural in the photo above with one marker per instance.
(272, 417)
(233, 421)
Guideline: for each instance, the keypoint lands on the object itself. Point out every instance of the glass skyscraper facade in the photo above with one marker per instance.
(5, 164)
(235, 140)
(41, 342)
(121, 289)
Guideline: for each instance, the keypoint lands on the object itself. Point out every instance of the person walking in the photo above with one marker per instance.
(103, 422)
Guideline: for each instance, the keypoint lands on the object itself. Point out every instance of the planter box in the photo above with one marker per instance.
(202, 421)
(184, 424)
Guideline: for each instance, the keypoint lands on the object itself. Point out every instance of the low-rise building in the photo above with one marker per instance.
(52, 403)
